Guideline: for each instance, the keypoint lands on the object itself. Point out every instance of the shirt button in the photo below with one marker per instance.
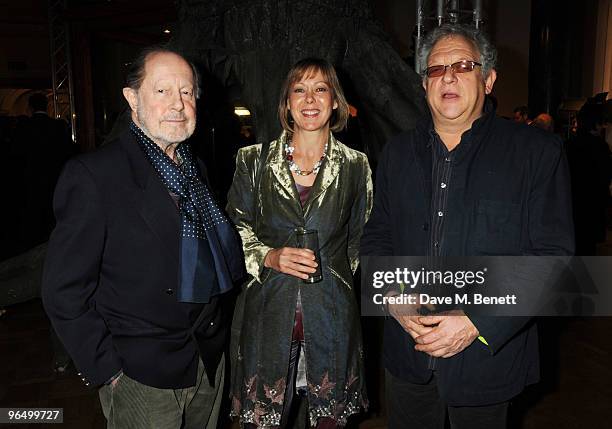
(440, 214)
(436, 244)
(169, 291)
(443, 185)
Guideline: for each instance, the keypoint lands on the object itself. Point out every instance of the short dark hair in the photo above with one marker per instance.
(38, 102)
(523, 110)
(486, 50)
(136, 69)
(309, 66)
(590, 115)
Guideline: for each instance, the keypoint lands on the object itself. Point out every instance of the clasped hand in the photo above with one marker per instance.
(440, 335)
(297, 262)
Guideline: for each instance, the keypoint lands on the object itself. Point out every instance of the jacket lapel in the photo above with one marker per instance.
(326, 176)
(154, 203)
(423, 150)
(328, 172)
(276, 158)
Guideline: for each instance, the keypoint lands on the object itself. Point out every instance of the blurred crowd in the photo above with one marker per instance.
(35, 147)
(590, 161)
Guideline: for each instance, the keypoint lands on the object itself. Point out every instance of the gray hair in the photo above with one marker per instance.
(488, 53)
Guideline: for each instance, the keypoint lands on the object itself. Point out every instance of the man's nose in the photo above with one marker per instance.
(449, 75)
(176, 102)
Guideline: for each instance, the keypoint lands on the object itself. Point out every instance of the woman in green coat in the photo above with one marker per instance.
(299, 338)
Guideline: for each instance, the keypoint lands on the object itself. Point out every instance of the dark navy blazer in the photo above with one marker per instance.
(112, 270)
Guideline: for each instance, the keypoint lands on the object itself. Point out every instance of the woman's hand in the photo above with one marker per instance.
(291, 260)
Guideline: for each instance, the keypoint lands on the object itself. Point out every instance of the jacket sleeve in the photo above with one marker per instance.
(360, 212)
(550, 234)
(71, 273)
(551, 227)
(376, 239)
(241, 209)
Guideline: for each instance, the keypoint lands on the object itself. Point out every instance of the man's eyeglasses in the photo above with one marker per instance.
(458, 67)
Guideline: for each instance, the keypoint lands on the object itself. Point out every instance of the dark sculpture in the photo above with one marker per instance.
(248, 46)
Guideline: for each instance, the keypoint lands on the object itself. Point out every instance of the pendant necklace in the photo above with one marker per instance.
(295, 168)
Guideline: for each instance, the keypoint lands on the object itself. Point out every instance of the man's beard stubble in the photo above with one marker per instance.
(167, 144)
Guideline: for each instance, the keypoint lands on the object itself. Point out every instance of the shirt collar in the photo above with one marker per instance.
(468, 136)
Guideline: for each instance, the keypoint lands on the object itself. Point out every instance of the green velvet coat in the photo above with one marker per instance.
(338, 207)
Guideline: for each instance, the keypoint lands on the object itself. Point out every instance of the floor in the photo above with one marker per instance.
(26, 372)
(576, 391)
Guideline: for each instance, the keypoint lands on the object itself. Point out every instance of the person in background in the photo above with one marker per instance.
(41, 145)
(590, 164)
(45, 144)
(521, 115)
(545, 122)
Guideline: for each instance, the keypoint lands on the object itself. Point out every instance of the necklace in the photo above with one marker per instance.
(294, 167)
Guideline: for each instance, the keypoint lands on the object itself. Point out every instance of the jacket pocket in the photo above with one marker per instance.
(498, 228)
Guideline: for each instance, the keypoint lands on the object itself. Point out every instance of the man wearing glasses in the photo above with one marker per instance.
(471, 184)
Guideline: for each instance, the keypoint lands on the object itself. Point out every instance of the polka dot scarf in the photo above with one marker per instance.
(211, 253)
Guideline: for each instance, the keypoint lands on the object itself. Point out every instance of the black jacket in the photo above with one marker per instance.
(509, 195)
(111, 272)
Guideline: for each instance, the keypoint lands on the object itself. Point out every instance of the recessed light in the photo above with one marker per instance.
(241, 111)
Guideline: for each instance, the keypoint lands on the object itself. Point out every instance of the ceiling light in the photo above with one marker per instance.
(241, 111)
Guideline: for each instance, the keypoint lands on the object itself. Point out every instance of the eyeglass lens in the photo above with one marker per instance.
(458, 67)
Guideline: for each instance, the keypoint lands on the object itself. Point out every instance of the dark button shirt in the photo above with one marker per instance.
(441, 169)
(441, 172)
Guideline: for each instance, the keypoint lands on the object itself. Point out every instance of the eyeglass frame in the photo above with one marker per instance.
(452, 67)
